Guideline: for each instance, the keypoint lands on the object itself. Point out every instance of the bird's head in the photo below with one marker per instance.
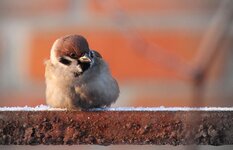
(72, 50)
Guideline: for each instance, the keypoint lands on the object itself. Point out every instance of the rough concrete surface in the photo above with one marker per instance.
(116, 127)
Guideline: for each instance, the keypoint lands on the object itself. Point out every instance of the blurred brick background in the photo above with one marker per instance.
(29, 28)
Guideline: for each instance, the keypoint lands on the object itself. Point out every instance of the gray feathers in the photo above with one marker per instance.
(96, 87)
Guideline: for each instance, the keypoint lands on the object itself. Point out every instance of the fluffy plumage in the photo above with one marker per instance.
(77, 77)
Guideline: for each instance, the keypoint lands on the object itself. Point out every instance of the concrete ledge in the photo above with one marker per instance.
(113, 126)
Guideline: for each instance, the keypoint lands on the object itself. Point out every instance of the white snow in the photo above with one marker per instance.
(161, 108)
(27, 108)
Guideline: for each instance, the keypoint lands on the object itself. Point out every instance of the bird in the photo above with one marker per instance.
(77, 77)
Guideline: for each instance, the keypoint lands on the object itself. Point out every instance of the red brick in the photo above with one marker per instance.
(20, 99)
(124, 61)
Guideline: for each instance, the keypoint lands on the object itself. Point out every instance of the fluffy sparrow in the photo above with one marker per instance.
(77, 77)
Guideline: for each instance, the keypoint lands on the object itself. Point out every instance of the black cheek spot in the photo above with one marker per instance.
(76, 74)
(64, 61)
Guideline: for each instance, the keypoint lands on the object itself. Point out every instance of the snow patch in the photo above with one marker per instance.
(161, 108)
(27, 108)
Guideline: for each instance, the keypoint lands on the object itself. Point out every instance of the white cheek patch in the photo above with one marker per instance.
(74, 64)
(73, 61)
(53, 57)
(79, 69)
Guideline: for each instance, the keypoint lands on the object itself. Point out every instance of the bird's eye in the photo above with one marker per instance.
(73, 55)
(91, 54)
